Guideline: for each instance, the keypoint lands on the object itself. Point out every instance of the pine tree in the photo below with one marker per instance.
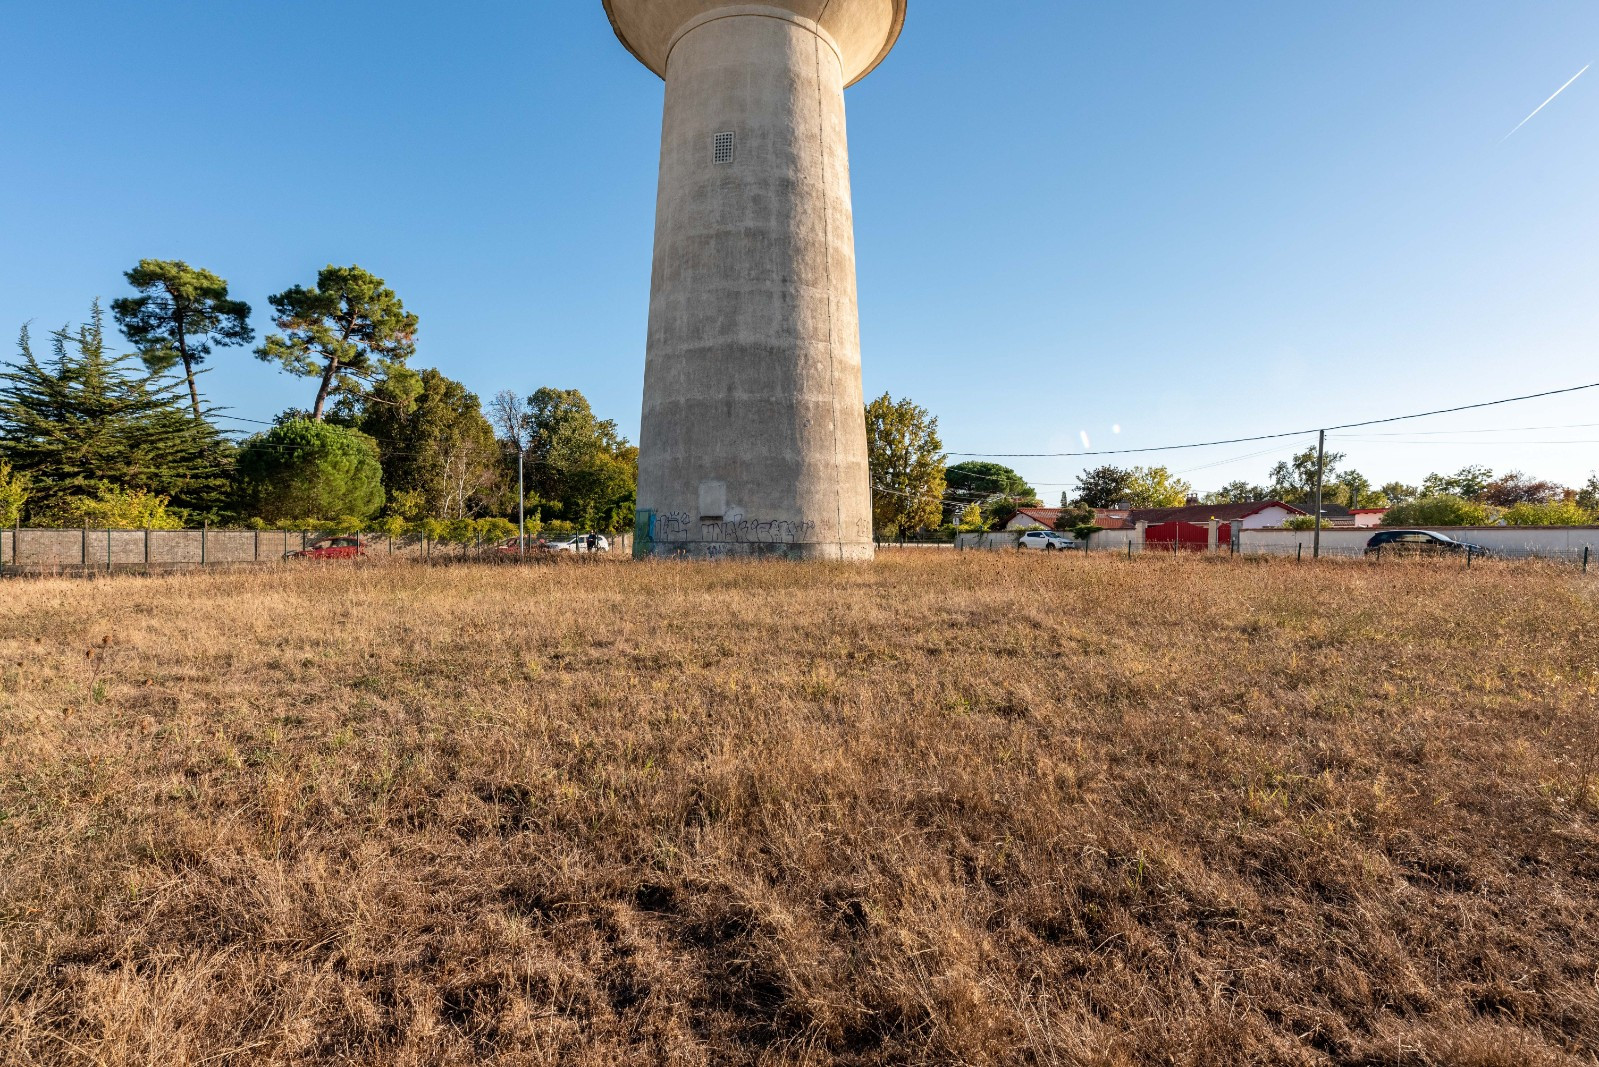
(303, 469)
(85, 419)
(180, 312)
(348, 330)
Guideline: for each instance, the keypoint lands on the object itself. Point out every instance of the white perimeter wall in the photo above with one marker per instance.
(1564, 542)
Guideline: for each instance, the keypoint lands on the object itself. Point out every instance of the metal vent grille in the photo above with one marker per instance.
(722, 148)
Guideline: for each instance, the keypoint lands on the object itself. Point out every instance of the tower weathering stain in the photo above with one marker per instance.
(753, 438)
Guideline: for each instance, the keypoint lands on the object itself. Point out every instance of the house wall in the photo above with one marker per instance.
(1272, 516)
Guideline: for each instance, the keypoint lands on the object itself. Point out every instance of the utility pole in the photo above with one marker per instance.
(1321, 458)
(521, 518)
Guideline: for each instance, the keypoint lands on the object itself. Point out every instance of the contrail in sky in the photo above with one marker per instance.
(1545, 104)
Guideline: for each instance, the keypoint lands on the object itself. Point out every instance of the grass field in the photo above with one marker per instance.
(942, 809)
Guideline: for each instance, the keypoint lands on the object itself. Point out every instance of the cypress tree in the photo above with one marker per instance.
(84, 418)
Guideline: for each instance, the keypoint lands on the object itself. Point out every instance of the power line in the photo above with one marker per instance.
(1404, 441)
(1484, 429)
(1234, 459)
(1277, 436)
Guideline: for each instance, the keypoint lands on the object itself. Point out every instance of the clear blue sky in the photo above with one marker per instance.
(1189, 220)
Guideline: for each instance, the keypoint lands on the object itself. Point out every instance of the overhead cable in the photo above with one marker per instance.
(1277, 436)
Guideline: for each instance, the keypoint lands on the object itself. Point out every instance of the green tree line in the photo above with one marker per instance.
(92, 436)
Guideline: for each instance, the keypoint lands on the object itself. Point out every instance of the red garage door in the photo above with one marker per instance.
(1184, 536)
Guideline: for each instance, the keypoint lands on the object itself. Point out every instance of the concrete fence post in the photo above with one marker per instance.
(205, 528)
(147, 550)
(83, 553)
(1213, 538)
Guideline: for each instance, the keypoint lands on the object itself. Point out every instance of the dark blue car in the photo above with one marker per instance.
(1419, 542)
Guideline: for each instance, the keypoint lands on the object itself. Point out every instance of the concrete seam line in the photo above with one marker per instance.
(832, 341)
(758, 11)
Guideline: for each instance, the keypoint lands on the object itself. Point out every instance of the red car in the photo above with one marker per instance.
(345, 547)
(534, 545)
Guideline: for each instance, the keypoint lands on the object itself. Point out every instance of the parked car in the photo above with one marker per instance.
(530, 545)
(1046, 541)
(580, 543)
(342, 547)
(1419, 542)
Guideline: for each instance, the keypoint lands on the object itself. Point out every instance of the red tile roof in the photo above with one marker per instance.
(1192, 513)
(1206, 512)
(1047, 516)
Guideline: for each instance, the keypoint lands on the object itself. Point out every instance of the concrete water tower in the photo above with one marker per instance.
(753, 440)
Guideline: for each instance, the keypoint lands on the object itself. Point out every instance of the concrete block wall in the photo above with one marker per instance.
(127, 549)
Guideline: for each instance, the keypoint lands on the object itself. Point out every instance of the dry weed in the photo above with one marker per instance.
(943, 809)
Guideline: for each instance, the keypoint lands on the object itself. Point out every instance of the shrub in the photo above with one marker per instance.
(111, 508)
(390, 526)
(496, 529)
(1300, 522)
(971, 520)
(1073, 518)
(310, 468)
(13, 494)
(459, 531)
(1553, 513)
(1439, 510)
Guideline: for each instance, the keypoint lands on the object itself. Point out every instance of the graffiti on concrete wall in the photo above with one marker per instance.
(757, 531)
(719, 536)
(671, 526)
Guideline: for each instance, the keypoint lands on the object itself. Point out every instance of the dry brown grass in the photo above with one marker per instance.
(970, 809)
